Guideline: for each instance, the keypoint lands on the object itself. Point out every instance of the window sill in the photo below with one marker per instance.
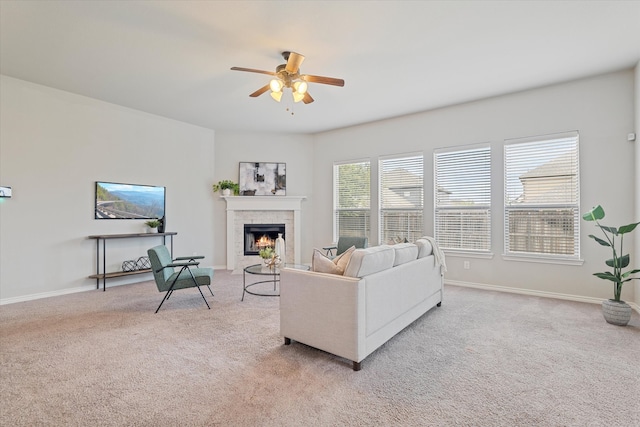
(542, 259)
(468, 254)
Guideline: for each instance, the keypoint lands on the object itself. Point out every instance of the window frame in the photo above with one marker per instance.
(485, 209)
(381, 195)
(336, 209)
(545, 144)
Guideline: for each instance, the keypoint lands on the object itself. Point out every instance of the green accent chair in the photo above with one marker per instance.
(189, 274)
(345, 243)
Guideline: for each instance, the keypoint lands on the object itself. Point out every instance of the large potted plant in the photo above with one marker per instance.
(615, 311)
(226, 187)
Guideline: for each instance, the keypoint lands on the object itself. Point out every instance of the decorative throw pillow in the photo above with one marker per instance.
(342, 260)
(322, 264)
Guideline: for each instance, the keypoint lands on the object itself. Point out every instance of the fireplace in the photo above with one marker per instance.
(258, 236)
(262, 210)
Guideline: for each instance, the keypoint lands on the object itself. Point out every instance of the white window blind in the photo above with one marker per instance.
(401, 198)
(352, 199)
(542, 196)
(463, 198)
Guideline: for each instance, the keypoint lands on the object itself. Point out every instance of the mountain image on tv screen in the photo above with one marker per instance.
(128, 201)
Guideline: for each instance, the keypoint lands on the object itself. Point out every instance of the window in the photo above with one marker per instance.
(463, 198)
(351, 199)
(542, 196)
(401, 198)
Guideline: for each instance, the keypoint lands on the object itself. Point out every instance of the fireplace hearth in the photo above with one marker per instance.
(258, 236)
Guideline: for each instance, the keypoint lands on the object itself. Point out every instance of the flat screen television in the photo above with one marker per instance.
(129, 201)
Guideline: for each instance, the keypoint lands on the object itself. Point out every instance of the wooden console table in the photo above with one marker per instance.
(104, 237)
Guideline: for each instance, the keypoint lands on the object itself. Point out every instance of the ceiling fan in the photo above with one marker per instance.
(288, 76)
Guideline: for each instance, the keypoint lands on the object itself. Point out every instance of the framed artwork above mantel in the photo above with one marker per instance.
(263, 179)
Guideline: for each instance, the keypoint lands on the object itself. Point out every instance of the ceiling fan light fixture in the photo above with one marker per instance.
(276, 95)
(300, 87)
(289, 76)
(297, 97)
(276, 85)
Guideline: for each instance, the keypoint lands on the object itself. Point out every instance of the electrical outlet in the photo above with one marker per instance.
(466, 265)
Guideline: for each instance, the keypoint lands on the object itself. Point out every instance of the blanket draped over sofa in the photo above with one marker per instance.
(383, 290)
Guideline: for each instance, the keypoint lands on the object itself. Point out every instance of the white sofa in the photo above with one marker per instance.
(383, 290)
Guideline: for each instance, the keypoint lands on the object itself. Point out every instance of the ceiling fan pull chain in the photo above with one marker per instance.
(289, 107)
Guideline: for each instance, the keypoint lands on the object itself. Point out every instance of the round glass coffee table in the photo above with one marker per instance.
(269, 276)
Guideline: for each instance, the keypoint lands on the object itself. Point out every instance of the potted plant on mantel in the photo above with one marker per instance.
(153, 225)
(615, 311)
(226, 187)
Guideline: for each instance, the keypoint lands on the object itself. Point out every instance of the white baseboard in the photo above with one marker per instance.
(40, 295)
(110, 284)
(531, 292)
(67, 291)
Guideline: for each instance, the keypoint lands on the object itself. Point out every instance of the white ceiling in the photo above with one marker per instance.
(172, 58)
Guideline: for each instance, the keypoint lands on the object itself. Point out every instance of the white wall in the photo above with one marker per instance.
(54, 145)
(600, 108)
(636, 130)
(293, 149)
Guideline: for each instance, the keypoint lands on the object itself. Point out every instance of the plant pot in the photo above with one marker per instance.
(152, 230)
(226, 192)
(616, 312)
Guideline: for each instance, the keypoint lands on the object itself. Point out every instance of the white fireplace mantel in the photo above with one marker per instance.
(262, 204)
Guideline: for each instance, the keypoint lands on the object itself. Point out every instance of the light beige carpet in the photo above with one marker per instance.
(482, 359)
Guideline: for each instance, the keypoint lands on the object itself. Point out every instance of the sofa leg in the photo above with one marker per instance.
(357, 366)
(287, 341)
(439, 304)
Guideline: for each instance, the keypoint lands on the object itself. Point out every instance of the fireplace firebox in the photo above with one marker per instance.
(258, 236)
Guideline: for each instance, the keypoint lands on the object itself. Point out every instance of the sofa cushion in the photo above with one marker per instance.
(405, 252)
(424, 248)
(369, 261)
(321, 264)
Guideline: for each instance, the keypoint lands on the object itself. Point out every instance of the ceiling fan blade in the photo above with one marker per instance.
(251, 70)
(260, 91)
(307, 98)
(293, 62)
(322, 80)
